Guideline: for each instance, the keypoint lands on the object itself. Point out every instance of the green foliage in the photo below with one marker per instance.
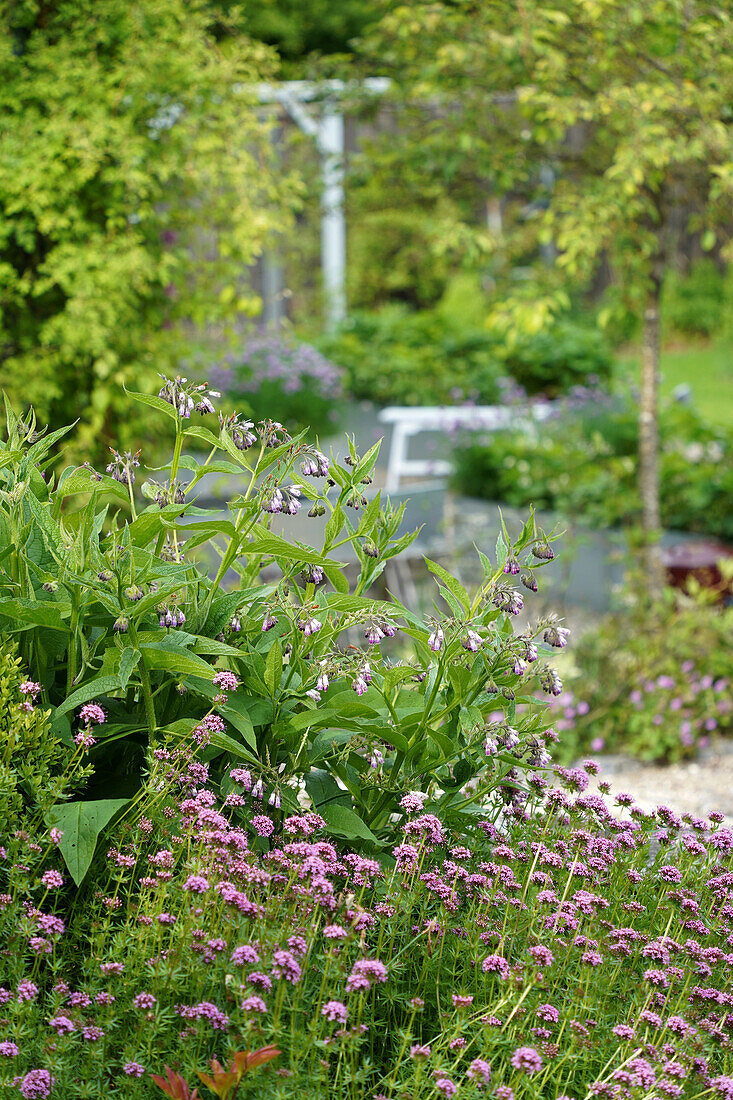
(131, 605)
(563, 355)
(404, 358)
(136, 183)
(696, 304)
(584, 462)
(432, 357)
(296, 28)
(614, 161)
(394, 257)
(654, 683)
(31, 755)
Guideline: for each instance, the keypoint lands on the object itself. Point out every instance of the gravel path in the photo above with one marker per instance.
(696, 787)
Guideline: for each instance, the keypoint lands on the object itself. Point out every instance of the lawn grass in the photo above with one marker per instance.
(706, 367)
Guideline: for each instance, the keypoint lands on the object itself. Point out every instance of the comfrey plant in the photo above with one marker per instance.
(104, 579)
(586, 952)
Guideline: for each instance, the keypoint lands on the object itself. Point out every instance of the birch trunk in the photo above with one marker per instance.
(649, 445)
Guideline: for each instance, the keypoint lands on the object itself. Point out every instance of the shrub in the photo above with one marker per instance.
(433, 358)
(576, 952)
(280, 377)
(583, 463)
(553, 361)
(694, 304)
(136, 186)
(31, 758)
(653, 683)
(403, 358)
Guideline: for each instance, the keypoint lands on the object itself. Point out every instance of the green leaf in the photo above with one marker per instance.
(128, 662)
(42, 516)
(153, 403)
(452, 602)
(324, 790)
(290, 551)
(33, 613)
(502, 551)
(450, 583)
(92, 689)
(176, 660)
(81, 823)
(83, 480)
(337, 577)
(274, 666)
(342, 821)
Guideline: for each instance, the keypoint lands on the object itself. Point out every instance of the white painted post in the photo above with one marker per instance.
(333, 221)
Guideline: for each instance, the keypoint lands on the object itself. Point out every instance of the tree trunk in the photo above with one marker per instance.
(649, 445)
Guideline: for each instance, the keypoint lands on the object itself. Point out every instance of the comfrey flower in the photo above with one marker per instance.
(185, 396)
(122, 467)
(550, 681)
(309, 625)
(472, 641)
(436, 639)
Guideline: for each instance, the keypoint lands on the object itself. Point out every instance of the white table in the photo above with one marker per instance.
(408, 421)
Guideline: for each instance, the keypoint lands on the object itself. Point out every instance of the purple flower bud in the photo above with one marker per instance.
(472, 641)
(367, 672)
(269, 621)
(373, 634)
(435, 641)
(323, 682)
(529, 582)
(543, 551)
(181, 617)
(259, 789)
(120, 625)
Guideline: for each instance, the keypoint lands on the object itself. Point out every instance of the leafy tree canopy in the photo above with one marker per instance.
(610, 119)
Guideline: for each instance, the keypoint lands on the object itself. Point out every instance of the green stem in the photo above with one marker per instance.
(146, 687)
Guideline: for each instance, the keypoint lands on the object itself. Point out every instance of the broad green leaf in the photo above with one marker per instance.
(290, 551)
(83, 480)
(337, 577)
(128, 662)
(324, 790)
(81, 823)
(274, 666)
(153, 402)
(42, 613)
(178, 661)
(342, 821)
(92, 689)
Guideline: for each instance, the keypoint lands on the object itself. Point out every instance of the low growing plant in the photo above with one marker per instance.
(581, 950)
(652, 682)
(583, 463)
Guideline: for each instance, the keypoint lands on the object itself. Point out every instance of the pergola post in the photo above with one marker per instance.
(333, 220)
(327, 129)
